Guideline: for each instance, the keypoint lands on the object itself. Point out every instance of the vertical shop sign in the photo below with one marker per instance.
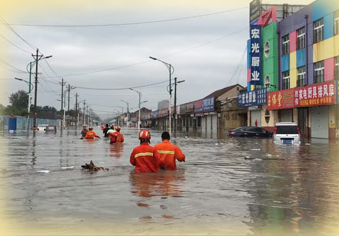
(255, 34)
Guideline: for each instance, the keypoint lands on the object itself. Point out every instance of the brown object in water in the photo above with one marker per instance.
(92, 167)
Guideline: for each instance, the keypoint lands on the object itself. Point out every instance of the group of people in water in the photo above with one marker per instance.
(144, 157)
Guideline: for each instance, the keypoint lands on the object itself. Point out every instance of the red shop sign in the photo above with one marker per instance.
(283, 99)
(314, 95)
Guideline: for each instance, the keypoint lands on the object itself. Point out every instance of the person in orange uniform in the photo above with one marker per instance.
(167, 153)
(116, 137)
(142, 156)
(91, 134)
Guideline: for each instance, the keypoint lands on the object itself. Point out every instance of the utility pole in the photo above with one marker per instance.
(84, 113)
(69, 99)
(37, 58)
(62, 105)
(175, 107)
(76, 112)
(69, 102)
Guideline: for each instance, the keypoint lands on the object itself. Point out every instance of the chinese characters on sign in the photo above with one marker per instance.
(255, 34)
(316, 94)
(208, 104)
(252, 98)
(312, 95)
(283, 99)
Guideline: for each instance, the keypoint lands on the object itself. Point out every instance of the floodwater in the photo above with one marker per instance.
(232, 186)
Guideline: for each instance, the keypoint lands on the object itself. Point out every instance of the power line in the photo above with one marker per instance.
(144, 62)
(11, 29)
(126, 88)
(14, 44)
(132, 23)
(10, 67)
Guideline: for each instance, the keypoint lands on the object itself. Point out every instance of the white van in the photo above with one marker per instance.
(287, 133)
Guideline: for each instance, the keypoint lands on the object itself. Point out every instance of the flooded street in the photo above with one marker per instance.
(239, 186)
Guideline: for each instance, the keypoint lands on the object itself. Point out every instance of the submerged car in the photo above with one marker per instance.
(286, 133)
(249, 131)
(50, 129)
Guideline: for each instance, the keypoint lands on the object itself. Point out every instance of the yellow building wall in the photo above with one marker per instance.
(293, 70)
(326, 49)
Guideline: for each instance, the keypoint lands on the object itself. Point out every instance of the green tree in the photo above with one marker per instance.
(19, 100)
(18, 104)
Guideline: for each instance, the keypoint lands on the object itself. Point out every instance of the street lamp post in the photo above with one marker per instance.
(171, 71)
(139, 93)
(175, 104)
(30, 88)
(127, 111)
(37, 58)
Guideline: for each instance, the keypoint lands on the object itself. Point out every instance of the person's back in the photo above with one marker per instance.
(167, 153)
(142, 156)
(105, 130)
(84, 131)
(116, 137)
(91, 134)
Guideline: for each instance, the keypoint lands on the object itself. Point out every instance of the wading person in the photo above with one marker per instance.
(167, 153)
(142, 156)
(84, 131)
(116, 137)
(91, 134)
(105, 130)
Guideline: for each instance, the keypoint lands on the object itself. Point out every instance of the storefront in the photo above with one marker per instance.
(312, 107)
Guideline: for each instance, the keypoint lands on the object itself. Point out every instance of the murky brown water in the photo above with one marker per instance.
(243, 186)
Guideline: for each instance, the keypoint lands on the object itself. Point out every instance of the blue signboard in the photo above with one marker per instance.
(208, 104)
(252, 98)
(255, 34)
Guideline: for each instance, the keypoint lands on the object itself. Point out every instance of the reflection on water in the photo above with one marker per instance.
(163, 183)
(245, 186)
(116, 150)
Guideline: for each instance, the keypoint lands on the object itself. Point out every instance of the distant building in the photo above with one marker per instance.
(163, 104)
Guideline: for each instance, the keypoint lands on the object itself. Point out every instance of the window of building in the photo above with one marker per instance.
(336, 68)
(319, 72)
(301, 38)
(301, 76)
(267, 49)
(286, 45)
(318, 30)
(286, 80)
(336, 22)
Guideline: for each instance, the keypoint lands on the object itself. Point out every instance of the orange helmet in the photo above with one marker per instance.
(117, 128)
(144, 134)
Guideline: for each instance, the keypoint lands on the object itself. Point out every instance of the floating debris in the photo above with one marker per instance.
(43, 171)
(92, 167)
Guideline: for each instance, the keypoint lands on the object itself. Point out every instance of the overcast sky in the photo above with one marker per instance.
(107, 44)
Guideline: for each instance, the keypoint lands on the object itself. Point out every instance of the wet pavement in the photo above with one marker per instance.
(238, 186)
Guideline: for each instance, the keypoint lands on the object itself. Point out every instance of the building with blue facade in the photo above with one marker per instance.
(299, 67)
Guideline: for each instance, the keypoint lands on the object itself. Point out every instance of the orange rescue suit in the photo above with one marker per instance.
(116, 137)
(166, 153)
(91, 134)
(143, 159)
